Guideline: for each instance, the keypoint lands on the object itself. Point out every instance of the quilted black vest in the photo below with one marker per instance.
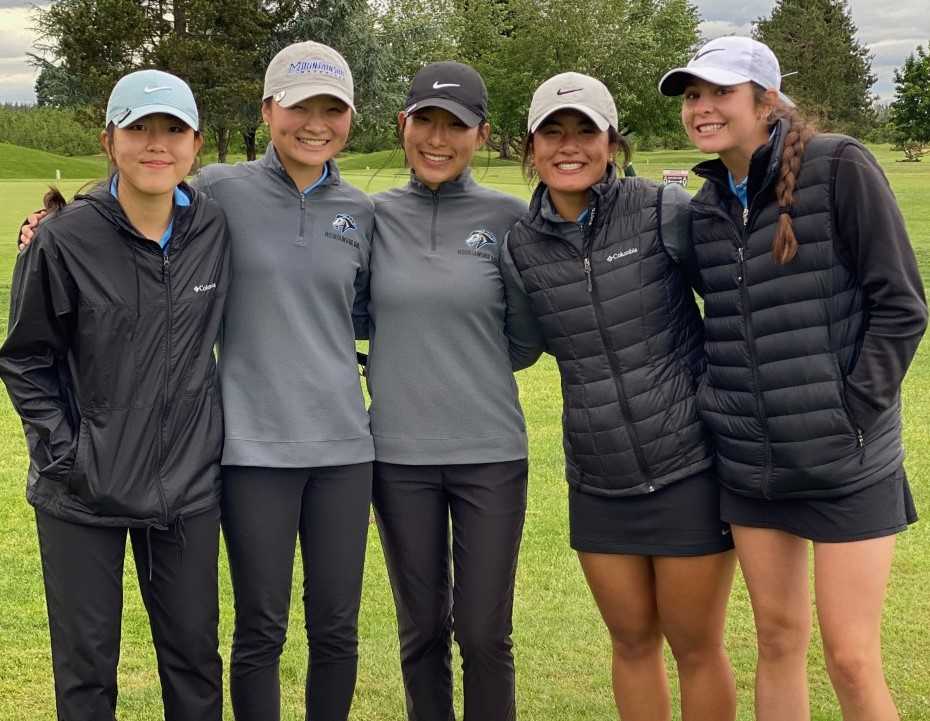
(623, 325)
(781, 340)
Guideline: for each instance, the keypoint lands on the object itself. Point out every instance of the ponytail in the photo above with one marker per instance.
(785, 244)
(53, 200)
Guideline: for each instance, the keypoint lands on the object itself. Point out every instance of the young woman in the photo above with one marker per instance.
(602, 258)
(109, 362)
(298, 451)
(446, 333)
(814, 308)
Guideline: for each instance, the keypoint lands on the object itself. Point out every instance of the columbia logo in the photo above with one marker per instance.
(621, 254)
(204, 287)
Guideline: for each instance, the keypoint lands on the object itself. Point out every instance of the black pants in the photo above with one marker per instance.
(487, 504)
(265, 510)
(83, 570)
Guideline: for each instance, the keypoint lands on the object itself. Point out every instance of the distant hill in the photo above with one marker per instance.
(18, 162)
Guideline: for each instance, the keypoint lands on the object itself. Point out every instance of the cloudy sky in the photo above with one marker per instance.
(891, 30)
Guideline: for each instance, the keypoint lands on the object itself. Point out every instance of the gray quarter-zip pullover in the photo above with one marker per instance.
(291, 391)
(446, 329)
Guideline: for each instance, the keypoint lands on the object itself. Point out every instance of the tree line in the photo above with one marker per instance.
(222, 47)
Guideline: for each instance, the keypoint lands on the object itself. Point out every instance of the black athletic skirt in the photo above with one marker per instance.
(881, 509)
(682, 519)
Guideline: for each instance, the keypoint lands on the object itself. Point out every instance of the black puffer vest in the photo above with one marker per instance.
(781, 339)
(622, 323)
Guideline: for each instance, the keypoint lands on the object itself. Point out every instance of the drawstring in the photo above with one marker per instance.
(178, 532)
(148, 545)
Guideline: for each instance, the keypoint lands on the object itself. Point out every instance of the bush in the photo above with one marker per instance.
(50, 129)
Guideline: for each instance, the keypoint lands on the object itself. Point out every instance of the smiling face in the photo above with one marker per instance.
(438, 145)
(728, 120)
(570, 155)
(307, 134)
(152, 154)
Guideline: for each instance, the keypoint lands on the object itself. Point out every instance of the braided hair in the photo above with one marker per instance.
(800, 131)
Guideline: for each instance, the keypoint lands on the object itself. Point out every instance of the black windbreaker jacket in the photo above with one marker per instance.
(109, 362)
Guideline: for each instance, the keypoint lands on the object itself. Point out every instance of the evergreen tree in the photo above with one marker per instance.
(817, 40)
(218, 46)
(910, 111)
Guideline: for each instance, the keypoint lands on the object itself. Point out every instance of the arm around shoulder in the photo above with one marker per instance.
(524, 334)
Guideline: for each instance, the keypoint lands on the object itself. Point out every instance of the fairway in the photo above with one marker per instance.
(561, 646)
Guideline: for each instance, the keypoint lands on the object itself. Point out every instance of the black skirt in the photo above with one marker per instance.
(682, 519)
(880, 509)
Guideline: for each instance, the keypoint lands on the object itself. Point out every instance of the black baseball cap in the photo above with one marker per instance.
(451, 86)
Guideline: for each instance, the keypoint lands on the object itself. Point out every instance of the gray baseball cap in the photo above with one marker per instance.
(730, 60)
(146, 92)
(573, 91)
(305, 70)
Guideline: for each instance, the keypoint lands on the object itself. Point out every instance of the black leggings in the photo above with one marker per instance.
(487, 505)
(265, 510)
(83, 571)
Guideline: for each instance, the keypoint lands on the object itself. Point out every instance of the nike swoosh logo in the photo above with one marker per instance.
(437, 85)
(151, 89)
(706, 52)
(566, 92)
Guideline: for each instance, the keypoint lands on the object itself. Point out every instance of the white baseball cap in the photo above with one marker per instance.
(730, 60)
(146, 92)
(573, 91)
(305, 70)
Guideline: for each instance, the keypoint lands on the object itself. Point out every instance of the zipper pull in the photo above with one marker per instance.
(860, 437)
(745, 217)
(164, 266)
(587, 271)
(739, 253)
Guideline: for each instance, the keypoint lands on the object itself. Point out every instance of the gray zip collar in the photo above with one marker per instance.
(462, 184)
(272, 162)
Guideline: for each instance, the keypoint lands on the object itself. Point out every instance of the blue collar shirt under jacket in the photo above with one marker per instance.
(180, 201)
(291, 390)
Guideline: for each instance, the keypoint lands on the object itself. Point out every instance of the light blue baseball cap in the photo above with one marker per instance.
(146, 92)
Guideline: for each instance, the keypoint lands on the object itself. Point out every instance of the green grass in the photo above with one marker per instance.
(17, 162)
(561, 647)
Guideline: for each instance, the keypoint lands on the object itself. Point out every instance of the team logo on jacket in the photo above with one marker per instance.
(343, 223)
(477, 239)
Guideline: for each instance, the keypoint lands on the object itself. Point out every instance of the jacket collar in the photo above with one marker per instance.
(763, 166)
(272, 162)
(109, 207)
(457, 186)
(541, 217)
